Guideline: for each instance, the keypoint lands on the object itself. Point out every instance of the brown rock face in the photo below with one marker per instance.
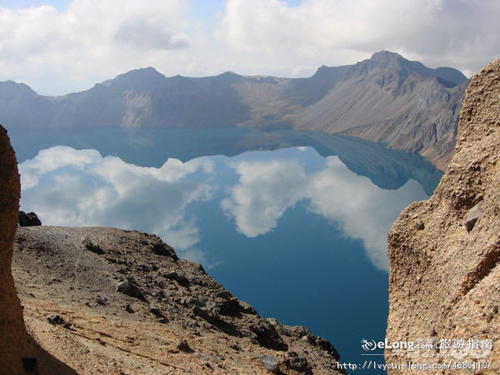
(444, 253)
(13, 338)
(19, 353)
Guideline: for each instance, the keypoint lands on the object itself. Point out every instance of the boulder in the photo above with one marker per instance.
(29, 219)
(131, 289)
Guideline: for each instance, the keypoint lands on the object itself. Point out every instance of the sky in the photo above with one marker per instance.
(57, 47)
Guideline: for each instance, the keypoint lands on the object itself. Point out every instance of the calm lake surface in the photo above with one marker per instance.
(294, 223)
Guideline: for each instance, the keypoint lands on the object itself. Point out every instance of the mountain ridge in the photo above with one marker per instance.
(386, 99)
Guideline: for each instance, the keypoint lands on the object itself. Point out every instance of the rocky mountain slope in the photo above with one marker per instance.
(445, 252)
(391, 100)
(121, 302)
(103, 300)
(384, 99)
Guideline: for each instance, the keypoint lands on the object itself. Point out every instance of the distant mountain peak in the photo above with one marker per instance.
(229, 73)
(136, 78)
(11, 83)
(10, 87)
(447, 77)
(385, 55)
(229, 77)
(386, 59)
(143, 73)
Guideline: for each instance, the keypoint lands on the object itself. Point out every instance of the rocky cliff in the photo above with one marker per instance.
(13, 340)
(386, 98)
(19, 354)
(445, 252)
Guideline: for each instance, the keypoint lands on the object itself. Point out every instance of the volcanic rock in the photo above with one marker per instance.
(445, 276)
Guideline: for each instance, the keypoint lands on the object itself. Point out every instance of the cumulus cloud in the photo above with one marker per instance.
(91, 40)
(353, 203)
(460, 33)
(79, 187)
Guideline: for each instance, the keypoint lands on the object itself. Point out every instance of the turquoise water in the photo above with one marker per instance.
(297, 229)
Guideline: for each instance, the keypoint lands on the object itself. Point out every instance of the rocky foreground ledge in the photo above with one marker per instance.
(111, 301)
(445, 253)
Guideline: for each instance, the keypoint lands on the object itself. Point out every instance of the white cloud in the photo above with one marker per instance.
(79, 187)
(50, 160)
(361, 209)
(56, 51)
(89, 41)
(265, 191)
(358, 207)
(460, 33)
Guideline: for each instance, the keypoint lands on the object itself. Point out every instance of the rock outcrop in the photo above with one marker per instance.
(121, 302)
(19, 353)
(445, 252)
(28, 219)
(14, 346)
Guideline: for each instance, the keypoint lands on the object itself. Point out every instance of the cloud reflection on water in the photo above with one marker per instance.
(361, 209)
(81, 188)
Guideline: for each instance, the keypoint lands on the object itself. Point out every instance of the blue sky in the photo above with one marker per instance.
(72, 44)
(32, 3)
(203, 9)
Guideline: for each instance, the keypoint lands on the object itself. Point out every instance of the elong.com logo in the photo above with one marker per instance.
(370, 345)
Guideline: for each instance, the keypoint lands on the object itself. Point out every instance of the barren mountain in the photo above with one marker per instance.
(384, 99)
(445, 252)
(391, 100)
